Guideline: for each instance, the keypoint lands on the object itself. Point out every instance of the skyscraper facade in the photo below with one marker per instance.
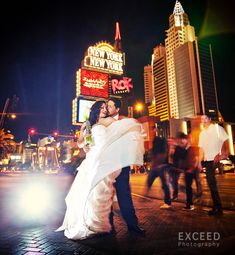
(208, 94)
(178, 33)
(160, 105)
(148, 85)
(195, 80)
(187, 83)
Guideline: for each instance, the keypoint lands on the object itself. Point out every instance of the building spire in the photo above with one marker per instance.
(117, 34)
(117, 43)
(178, 9)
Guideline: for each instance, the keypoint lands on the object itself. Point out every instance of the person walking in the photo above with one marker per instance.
(213, 141)
(179, 158)
(159, 168)
(192, 167)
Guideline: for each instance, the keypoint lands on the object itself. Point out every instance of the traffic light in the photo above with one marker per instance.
(55, 133)
(32, 131)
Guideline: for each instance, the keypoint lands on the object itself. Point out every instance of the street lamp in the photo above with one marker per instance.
(139, 108)
(13, 116)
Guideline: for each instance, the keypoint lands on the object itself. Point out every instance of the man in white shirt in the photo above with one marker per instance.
(213, 141)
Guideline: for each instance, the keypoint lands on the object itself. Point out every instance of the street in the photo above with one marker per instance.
(11, 187)
(22, 233)
(226, 184)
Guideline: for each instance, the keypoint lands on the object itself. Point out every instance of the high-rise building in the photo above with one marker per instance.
(195, 80)
(208, 94)
(187, 83)
(148, 84)
(178, 33)
(160, 104)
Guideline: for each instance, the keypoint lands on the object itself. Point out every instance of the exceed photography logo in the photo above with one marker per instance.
(198, 239)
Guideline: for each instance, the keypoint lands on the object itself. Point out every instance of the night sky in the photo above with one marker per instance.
(43, 43)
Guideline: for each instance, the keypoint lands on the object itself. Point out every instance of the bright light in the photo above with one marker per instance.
(139, 107)
(32, 131)
(55, 133)
(184, 127)
(13, 116)
(35, 200)
(230, 135)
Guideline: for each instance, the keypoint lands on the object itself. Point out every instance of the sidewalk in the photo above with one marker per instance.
(167, 232)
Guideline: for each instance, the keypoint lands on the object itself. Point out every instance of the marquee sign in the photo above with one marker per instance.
(121, 86)
(94, 83)
(103, 58)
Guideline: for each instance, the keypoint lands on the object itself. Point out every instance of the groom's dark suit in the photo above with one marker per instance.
(123, 191)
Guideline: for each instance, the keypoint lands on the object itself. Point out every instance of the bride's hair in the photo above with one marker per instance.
(95, 112)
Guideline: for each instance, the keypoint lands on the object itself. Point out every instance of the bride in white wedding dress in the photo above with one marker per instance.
(115, 144)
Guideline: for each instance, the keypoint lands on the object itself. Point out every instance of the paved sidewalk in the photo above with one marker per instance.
(166, 233)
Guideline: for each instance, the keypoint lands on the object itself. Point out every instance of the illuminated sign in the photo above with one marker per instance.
(83, 109)
(121, 86)
(103, 58)
(94, 84)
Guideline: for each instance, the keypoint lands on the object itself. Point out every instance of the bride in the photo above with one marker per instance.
(115, 144)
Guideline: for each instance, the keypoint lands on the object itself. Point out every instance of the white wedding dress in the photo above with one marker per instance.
(91, 194)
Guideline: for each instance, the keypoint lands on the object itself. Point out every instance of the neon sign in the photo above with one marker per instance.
(94, 83)
(104, 59)
(121, 86)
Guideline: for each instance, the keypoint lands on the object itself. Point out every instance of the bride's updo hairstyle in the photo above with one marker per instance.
(95, 112)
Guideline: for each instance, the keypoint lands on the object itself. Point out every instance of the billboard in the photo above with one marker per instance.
(83, 109)
(94, 84)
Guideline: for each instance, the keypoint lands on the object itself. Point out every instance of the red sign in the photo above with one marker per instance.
(94, 83)
(121, 86)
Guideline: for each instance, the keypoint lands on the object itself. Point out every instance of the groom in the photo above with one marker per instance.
(122, 184)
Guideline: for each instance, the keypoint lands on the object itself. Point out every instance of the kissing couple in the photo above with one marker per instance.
(116, 144)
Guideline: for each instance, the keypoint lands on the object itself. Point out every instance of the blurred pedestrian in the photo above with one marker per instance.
(159, 168)
(214, 143)
(196, 173)
(192, 167)
(179, 157)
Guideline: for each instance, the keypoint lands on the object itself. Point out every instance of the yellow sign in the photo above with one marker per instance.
(103, 58)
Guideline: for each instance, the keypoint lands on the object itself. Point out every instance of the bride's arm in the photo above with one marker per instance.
(106, 121)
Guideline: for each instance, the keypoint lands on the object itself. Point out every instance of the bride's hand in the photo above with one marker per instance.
(86, 148)
(83, 126)
(106, 121)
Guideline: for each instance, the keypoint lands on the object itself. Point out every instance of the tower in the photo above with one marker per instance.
(179, 32)
(117, 43)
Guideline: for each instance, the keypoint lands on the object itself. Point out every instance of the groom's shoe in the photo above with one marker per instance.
(216, 212)
(136, 230)
(113, 231)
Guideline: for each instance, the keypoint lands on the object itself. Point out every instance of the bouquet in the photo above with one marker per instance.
(88, 136)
